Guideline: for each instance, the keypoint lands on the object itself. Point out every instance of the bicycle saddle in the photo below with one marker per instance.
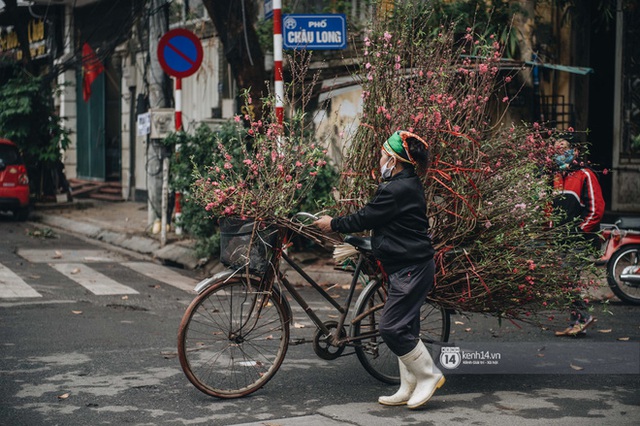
(629, 223)
(363, 243)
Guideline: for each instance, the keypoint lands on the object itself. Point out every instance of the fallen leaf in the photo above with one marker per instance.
(624, 339)
(467, 329)
(125, 297)
(576, 367)
(458, 323)
(155, 286)
(605, 331)
(64, 396)
(540, 355)
(345, 286)
(269, 337)
(76, 312)
(57, 254)
(298, 325)
(75, 271)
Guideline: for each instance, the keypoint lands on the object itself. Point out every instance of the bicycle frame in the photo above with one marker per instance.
(342, 309)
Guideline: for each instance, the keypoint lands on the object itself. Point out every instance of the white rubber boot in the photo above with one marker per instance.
(407, 385)
(428, 376)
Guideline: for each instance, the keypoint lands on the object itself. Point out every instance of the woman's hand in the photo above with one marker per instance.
(324, 223)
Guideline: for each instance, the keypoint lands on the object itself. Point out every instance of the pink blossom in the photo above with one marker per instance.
(248, 162)
(288, 178)
(507, 79)
(397, 66)
(236, 118)
(505, 99)
(367, 65)
(228, 166)
(387, 36)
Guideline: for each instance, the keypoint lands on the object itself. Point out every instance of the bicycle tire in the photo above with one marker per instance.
(374, 355)
(220, 358)
(626, 256)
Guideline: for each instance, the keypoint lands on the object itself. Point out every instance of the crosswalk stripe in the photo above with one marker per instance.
(11, 285)
(92, 280)
(162, 274)
(69, 256)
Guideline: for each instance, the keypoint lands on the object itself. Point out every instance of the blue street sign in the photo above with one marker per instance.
(314, 32)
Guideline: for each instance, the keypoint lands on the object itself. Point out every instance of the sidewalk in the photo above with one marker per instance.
(122, 224)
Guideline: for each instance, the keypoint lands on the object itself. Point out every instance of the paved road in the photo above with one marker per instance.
(87, 336)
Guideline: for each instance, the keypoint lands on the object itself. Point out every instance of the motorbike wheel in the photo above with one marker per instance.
(626, 257)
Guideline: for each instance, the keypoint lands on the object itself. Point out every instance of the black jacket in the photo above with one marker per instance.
(397, 214)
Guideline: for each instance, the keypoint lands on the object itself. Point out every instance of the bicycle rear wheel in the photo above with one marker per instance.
(374, 355)
(233, 338)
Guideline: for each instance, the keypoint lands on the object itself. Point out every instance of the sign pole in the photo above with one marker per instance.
(177, 207)
(277, 59)
(180, 55)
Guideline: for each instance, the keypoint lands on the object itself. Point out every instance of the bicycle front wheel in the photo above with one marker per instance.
(233, 338)
(374, 355)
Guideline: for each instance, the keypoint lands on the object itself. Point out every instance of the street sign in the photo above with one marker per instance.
(268, 9)
(314, 32)
(180, 53)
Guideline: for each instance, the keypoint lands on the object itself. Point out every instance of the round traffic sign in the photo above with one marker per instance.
(180, 52)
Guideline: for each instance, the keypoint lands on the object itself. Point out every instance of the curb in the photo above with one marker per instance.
(174, 253)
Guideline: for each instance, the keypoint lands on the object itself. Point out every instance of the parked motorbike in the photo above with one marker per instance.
(621, 256)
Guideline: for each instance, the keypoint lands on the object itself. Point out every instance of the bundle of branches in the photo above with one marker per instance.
(487, 185)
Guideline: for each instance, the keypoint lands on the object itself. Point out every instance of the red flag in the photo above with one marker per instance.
(91, 69)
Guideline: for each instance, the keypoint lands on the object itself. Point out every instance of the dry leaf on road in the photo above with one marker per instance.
(608, 330)
(76, 312)
(64, 396)
(57, 255)
(576, 367)
(624, 339)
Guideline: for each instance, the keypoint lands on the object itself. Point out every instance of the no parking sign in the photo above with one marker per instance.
(180, 53)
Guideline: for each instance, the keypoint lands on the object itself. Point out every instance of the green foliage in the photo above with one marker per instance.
(27, 117)
(483, 17)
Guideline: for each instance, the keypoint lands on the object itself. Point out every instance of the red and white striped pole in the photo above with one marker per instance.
(177, 207)
(277, 59)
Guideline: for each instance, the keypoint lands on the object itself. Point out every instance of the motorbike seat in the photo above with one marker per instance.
(629, 223)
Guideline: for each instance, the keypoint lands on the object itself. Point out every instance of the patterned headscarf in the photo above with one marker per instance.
(397, 146)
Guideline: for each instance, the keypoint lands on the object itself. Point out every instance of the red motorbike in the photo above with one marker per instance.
(622, 258)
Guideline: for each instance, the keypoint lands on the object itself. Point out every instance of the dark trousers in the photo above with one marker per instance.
(400, 320)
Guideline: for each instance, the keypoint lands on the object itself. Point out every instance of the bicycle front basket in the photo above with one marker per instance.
(246, 242)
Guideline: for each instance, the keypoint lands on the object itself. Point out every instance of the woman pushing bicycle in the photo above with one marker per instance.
(397, 216)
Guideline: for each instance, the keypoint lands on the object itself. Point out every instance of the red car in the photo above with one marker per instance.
(14, 182)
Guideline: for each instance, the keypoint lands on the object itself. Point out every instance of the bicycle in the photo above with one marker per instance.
(234, 335)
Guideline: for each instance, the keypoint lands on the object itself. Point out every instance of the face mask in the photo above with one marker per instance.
(564, 160)
(386, 171)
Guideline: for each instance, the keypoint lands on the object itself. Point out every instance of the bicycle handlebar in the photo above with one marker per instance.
(307, 215)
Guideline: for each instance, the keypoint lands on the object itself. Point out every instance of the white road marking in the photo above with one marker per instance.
(12, 286)
(162, 274)
(92, 280)
(69, 256)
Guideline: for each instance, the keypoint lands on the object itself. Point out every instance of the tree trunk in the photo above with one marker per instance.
(234, 21)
